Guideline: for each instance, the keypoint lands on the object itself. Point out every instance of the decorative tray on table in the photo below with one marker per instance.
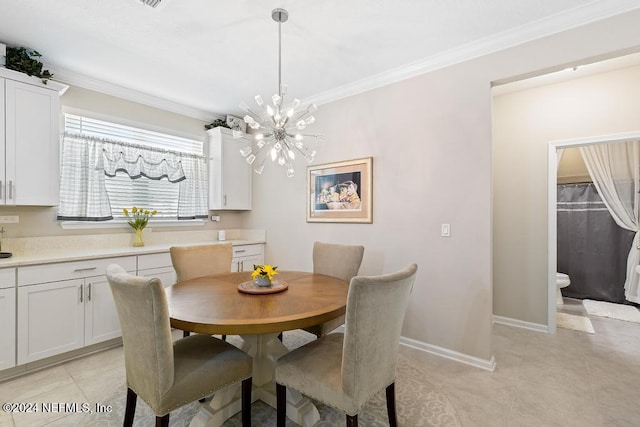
(250, 287)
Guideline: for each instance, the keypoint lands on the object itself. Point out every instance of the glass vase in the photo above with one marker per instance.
(262, 281)
(137, 239)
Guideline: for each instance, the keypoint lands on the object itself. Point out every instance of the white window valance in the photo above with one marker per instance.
(138, 161)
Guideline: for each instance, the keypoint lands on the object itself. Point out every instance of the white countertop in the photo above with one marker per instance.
(33, 251)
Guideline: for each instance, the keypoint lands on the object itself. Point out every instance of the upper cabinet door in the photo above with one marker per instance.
(32, 145)
(229, 173)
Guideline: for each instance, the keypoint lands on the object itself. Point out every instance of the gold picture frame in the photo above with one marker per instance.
(340, 191)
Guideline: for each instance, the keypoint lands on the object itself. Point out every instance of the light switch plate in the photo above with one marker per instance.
(446, 230)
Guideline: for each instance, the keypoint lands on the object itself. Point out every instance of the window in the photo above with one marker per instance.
(106, 167)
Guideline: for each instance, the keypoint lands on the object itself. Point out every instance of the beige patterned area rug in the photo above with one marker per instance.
(418, 403)
(627, 313)
(575, 323)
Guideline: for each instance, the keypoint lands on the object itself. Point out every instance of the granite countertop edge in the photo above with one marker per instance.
(69, 256)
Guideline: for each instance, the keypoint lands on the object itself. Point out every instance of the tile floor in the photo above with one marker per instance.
(567, 379)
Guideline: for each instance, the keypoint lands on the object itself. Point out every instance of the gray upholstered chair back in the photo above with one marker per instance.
(375, 312)
(341, 261)
(146, 334)
(202, 260)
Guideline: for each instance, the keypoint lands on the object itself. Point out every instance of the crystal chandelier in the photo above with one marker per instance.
(278, 126)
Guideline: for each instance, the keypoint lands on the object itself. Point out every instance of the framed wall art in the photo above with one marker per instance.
(340, 191)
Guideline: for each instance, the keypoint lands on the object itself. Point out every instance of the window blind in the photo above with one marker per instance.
(100, 129)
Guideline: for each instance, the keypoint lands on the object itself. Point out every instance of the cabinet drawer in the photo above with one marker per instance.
(71, 270)
(7, 278)
(154, 261)
(246, 250)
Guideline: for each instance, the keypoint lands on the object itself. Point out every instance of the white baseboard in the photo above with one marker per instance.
(520, 324)
(489, 365)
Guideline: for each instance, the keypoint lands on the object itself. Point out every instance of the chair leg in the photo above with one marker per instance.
(352, 420)
(224, 338)
(391, 405)
(185, 334)
(246, 402)
(280, 336)
(130, 410)
(281, 404)
(162, 421)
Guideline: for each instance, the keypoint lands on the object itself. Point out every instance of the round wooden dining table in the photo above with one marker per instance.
(215, 305)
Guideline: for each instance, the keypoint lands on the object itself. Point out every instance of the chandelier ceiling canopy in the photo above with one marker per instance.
(277, 126)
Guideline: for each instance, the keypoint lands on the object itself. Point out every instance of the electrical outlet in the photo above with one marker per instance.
(215, 218)
(9, 219)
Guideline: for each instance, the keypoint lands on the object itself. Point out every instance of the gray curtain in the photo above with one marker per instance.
(592, 248)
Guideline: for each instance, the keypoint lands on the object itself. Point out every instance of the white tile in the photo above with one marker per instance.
(6, 420)
(67, 395)
(34, 384)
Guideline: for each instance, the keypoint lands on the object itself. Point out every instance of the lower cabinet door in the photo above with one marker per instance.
(50, 319)
(167, 275)
(246, 263)
(7, 328)
(101, 317)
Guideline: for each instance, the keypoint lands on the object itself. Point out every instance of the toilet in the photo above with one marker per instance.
(562, 281)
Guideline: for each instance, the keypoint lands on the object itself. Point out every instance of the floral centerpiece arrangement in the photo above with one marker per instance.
(138, 220)
(263, 274)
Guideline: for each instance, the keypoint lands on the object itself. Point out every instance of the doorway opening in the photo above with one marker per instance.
(553, 149)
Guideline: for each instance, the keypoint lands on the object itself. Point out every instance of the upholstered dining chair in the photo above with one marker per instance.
(191, 262)
(341, 261)
(167, 375)
(346, 370)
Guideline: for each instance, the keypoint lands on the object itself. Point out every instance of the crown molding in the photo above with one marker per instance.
(75, 79)
(566, 20)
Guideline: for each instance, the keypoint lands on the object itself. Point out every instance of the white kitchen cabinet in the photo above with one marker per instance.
(29, 126)
(246, 256)
(50, 319)
(65, 306)
(101, 322)
(157, 265)
(7, 318)
(229, 173)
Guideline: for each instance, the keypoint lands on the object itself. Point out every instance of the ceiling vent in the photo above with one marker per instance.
(152, 3)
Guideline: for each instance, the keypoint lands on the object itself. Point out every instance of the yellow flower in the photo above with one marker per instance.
(139, 217)
(264, 270)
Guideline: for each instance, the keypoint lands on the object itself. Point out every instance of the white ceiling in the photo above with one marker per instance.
(205, 56)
